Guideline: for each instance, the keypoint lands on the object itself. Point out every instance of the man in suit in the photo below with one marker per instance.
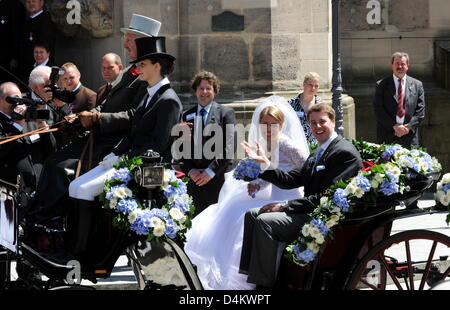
(206, 171)
(111, 67)
(25, 155)
(108, 123)
(38, 27)
(85, 98)
(335, 159)
(41, 54)
(399, 105)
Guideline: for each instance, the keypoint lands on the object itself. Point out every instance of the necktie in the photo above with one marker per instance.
(203, 114)
(318, 156)
(400, 100)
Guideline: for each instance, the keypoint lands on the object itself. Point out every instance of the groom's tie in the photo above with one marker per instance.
(318, 156)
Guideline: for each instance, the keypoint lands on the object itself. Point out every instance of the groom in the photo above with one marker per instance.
(335, 159)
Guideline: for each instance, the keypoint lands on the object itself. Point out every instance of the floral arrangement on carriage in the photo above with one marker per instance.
(442, 195)
(390, 174)
(167, 216)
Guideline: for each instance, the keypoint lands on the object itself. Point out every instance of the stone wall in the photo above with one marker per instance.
(404, 25)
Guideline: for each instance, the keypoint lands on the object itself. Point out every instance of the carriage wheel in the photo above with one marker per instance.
(410, 260)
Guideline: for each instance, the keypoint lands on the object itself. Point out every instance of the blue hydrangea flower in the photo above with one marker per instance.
(388, 188)
(126, 205)
(340, 199)
(122, 174)
(320, 224)
(306, 256)
(363, 183)
(171, 228)
(179, 189)
(446, 187)
(246, 168)
(389, 151)
(160, 213)
(392, 176)
(142, 224)
(181, 204)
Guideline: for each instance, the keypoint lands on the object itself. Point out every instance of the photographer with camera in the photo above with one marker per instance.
(23, 156)
(84, 98)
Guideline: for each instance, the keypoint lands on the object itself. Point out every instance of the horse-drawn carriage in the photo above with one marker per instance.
(363, 254)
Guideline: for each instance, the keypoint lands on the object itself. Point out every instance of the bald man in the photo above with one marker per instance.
(111, 67)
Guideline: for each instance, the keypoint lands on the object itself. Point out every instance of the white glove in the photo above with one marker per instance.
(110, 160)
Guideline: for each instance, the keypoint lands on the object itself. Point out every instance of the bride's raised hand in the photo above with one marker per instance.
(256, 153)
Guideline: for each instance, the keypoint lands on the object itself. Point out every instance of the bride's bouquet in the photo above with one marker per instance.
(247, 169)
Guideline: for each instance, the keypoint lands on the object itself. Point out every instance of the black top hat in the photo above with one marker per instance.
(151, 47)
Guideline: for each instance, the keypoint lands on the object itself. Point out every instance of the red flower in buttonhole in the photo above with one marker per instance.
(134, 71)
(367, 165)
(179, 174)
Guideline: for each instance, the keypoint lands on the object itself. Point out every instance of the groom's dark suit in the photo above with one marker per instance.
(386, 108)
(208, 194)
(262, 232)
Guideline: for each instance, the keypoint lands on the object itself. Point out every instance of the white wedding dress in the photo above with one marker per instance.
(214, 243)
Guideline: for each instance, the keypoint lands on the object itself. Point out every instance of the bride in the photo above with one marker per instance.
(214, 243)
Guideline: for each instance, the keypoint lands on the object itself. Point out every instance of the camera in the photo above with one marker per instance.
(58, 93)
(33, 113)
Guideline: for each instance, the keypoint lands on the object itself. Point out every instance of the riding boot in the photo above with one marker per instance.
(79, 225)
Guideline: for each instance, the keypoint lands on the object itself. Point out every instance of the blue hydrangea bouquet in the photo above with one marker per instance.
(169, 216)
(247, 169)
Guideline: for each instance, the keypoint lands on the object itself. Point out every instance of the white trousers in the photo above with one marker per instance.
(90, 184)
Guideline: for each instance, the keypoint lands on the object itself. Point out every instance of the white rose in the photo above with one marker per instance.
(177, 215)
(330, 223)
(122, 192)
(320, 239)
(374, 184)
(314, 232)
(351, 188)
(439, 186)
(446, 178)
(113, 203)
(156, 221)
(158, 230)
(313, 247)
(324, 201)
(359, 192)
(133, 215)
(305, 230)
(445, 200)
(423, 166)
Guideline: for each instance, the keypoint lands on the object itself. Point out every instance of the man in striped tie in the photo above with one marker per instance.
(399, 105)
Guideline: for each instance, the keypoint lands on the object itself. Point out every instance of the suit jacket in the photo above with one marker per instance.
(340, 161)
(386, 109)
(118, 109)
(222, 116)
(102, 93)
(151, 126)
(85, 99)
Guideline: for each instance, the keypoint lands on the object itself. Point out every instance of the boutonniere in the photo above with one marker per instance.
(134, 71)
